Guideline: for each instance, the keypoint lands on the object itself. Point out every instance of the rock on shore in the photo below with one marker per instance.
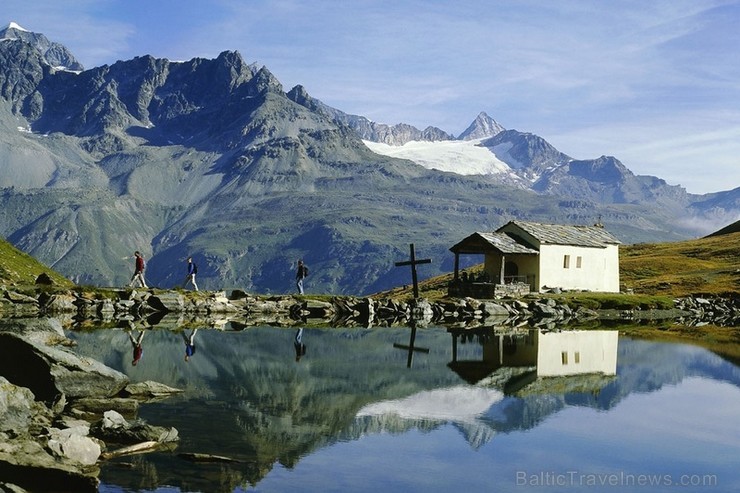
(44, 445)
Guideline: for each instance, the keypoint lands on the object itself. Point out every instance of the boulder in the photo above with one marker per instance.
(96, 406)
(114, 427)
(149, 389)
(493, 309)
(58, 303)
(50, 370)
(40, 330)
(25, 462)
(74, 444)
(19, 411)
(19, 298)
(43, 279)
(168, 301)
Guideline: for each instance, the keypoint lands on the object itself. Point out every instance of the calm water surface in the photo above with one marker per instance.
(475, 411)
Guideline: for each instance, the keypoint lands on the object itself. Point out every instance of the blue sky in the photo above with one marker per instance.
(654, 83)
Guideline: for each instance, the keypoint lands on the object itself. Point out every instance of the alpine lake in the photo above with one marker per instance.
(428, 409)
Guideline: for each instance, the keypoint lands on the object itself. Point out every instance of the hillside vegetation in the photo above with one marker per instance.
(708, 265)
(20, 269)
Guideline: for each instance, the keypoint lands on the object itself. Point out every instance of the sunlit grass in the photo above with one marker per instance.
(21, 270)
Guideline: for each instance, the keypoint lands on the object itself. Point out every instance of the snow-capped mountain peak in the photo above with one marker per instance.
(483, 126)
(55, 54)
(13, 25)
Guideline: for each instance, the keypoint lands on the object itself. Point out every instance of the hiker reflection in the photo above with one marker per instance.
(136, 345)
(300, 348)
(189, 343)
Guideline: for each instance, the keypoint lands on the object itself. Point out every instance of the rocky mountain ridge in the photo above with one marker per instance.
(55, 54)
(213, 159)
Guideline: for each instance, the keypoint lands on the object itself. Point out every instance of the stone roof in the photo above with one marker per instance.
(560, 234)
(506, 243)
(478, 242)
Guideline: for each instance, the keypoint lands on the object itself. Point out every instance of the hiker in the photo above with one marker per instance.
(300, 275)
(139, 271)
(190, 277)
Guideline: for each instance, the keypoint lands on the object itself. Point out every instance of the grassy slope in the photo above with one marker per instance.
(705, 266)
(20, 269)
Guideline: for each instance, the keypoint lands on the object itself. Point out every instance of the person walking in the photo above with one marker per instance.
(139, 268)
(190, 277)
(300, 275)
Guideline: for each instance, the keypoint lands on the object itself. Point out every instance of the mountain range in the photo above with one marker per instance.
(212, 158)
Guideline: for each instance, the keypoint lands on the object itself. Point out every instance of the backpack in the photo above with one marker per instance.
(305, 271)
(195, 268)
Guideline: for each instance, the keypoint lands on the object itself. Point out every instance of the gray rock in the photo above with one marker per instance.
(11, 488)
(20, 298)
(23, 459)
(169, 301)
(19, 411)
(26, 463)
(96, 406)
(74, 444)
(149, 389)
(60, 303)
(40, 330)
(114, 427)
(49, 371)
(493, 309)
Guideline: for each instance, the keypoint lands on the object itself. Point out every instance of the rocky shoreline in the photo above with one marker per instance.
(61, 414)
(240, 308)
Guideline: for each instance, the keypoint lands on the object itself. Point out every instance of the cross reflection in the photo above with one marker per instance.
(411, 347)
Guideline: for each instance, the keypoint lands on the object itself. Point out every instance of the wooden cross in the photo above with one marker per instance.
(413, 263)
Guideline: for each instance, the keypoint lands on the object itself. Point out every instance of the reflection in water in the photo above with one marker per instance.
(411, 347)
(246, 398)
(138, 349)
(300, 348)
(523, 358)
(189, 342)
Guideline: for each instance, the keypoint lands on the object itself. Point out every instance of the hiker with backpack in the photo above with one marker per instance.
(190, 277)
(139, 268)
(300, 275)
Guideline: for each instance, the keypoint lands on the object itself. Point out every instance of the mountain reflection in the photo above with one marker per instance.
(248, 397)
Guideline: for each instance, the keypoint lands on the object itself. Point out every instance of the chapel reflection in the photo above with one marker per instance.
(520, 358)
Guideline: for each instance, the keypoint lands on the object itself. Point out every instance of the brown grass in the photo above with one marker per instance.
(702, 266)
